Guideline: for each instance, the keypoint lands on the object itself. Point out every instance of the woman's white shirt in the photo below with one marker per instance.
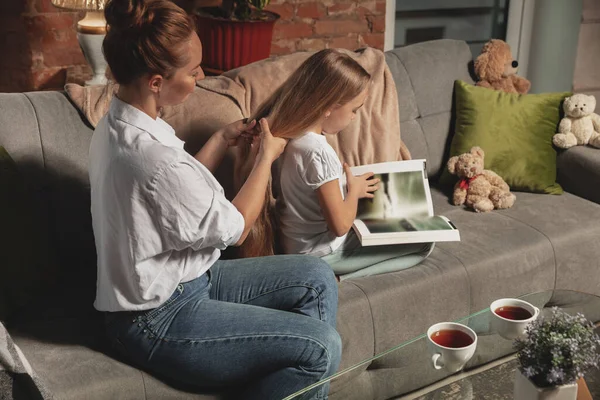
(160, 218)
(308, 162)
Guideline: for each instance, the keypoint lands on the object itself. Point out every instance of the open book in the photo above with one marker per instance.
(402, 210)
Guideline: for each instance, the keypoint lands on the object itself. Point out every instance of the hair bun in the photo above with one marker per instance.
(128, 14)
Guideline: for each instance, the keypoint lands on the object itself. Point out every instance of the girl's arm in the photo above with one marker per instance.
(213, 151)
(338, 212)
(251, 197)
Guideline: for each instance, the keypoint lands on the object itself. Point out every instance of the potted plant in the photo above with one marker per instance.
(556, 351)
(237, 33)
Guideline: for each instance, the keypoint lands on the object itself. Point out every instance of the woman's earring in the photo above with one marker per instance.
(327, 115)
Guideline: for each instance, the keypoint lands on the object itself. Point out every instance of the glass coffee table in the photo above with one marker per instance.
(494, 354)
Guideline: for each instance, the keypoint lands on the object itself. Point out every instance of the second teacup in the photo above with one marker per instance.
(510, 317)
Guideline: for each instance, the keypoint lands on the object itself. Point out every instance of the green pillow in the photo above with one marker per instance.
(514, 130)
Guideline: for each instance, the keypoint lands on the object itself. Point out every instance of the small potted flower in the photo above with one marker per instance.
(236, 33)
(556, 351)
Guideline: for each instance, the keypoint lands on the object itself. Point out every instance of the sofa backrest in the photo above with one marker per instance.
(424, 74)
(49, 139)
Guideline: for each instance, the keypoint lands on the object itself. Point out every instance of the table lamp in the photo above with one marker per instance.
(90, 33)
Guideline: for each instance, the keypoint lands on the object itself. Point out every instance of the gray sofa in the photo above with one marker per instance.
(543, 242)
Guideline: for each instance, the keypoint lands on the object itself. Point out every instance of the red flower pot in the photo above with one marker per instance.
(228, 44)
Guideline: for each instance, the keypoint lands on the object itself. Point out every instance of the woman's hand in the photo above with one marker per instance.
(363, 185)
(244, 160)
(250, 199)
(213, 151)
(270, 147)
(238, 130)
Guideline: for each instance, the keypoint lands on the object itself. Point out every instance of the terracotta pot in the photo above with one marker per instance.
(527, 390)
(228, 44)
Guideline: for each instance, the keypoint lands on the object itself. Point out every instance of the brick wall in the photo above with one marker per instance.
(38, 43)
(587, 72)
(315, 25)
(39, 46)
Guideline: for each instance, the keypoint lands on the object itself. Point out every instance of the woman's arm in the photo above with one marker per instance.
(250, 199)
(338, 212)
(213, 151)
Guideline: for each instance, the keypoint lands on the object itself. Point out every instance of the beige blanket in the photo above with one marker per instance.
(92, 101)
(375, 134)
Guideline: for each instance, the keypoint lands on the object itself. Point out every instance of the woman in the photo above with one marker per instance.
(160, 220)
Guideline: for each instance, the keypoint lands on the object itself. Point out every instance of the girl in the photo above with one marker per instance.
(315, 213)
(160, 220)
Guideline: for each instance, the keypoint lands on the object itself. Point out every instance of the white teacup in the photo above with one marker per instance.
(452, 359)
(512, 328)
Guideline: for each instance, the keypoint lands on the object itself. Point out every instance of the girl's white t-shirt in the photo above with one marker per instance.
(307, 163)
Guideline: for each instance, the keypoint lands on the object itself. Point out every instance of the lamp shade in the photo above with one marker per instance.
(86, 5)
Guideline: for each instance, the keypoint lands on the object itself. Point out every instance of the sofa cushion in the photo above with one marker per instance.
(65, 139)
(23, 247)
(502, 256)
(514, 130)
(578, 167)
(556, 233)
(571, 227)
(403, 304)
(70, 357)
(19, 135)
(355, 326)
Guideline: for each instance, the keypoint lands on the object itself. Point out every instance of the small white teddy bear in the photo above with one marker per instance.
(580, 125)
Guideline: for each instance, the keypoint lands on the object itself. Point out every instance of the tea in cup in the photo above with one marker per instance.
(452, 344)
(510, 317)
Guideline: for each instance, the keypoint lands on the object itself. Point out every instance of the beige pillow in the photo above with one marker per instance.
(201, 114)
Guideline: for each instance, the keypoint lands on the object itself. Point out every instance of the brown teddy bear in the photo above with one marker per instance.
(496, 69)
(478, 188)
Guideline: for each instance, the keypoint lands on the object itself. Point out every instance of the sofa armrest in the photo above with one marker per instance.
(578, 171)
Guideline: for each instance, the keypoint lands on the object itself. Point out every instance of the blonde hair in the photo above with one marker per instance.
(326, 79)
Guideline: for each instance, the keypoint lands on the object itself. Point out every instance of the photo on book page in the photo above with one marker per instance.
(400, 195)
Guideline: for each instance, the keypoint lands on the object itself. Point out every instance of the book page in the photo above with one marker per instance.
(407, 224)
(401, 210)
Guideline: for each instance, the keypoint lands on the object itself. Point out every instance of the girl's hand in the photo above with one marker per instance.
(237, 130)
(363, 185)
(270, 147)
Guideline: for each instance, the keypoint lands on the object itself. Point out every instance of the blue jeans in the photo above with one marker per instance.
(266, 324)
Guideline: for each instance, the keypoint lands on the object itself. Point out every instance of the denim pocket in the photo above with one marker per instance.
(151, 314)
